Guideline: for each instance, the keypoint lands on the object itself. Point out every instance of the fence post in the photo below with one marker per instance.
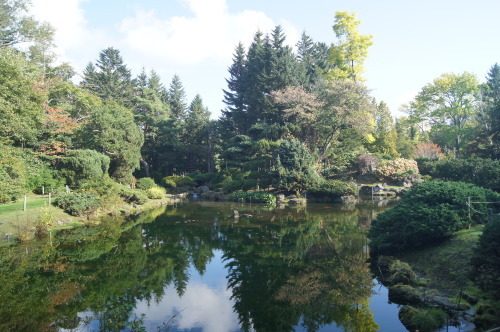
(67, 189)
(43, 190)
(25, 199)
(49, 198)
(468, 204)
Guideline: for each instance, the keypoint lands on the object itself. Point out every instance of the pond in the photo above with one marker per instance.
(195, 267)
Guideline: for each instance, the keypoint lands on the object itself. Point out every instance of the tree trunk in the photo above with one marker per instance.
(145, 165)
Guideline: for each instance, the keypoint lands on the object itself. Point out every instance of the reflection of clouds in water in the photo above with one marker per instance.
(200, 307)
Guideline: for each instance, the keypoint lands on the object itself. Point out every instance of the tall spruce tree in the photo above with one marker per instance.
(196, 136)
(150, 110)
(490, 117)
(177, 99)
(110, 78)
(234, 115)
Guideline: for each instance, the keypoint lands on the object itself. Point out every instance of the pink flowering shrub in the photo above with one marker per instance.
(396, 169)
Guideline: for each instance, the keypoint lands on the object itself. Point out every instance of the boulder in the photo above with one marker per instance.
(348, 199)
(280, 198)
(202, 189)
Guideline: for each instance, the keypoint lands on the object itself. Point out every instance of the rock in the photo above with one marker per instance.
(446, 303)
(236, 214)
(348, 199)
(280, 198)
(247, 215)
(379, 187)
(297, 201)
(406, 295)
(202, 189)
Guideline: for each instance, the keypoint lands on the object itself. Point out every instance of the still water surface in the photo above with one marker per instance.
(194, 267)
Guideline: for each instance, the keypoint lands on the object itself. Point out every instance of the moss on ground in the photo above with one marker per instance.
(446, 265)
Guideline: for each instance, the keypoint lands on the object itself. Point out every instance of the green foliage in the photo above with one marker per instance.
(180, 181)
(332, 190)
(50, 179)
(429, 212)
(202, 178)
(78, 204)
(422, 319)
(351, 51)
(253, 197)
(80, 166)
(110, 78)
(449, 104)
(169, 184)
(481, 172)
(295, 167)
(21, 98)
(133, 196)
(486, 260)
(12, 174)
(112, 130)
(145, 183)
(156, 192)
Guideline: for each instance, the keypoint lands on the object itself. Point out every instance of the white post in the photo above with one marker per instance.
(67, 189)
(43, 190)
(49, 198)
(25, 199)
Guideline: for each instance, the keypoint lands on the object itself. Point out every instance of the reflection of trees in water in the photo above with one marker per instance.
(286, 267)
(319, 275)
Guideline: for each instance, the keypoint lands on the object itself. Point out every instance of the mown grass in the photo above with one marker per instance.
(14, 222)
(446, 265)
(32, 203)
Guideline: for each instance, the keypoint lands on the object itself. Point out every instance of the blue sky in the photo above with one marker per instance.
(414, 41)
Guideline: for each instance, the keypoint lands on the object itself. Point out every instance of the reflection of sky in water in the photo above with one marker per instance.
(206, 304)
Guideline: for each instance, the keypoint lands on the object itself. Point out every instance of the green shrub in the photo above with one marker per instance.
(486, 260)
(481, 172)
(429, 212)
(202, 178)
(422, 319)
(295, 170)
(12, 174)
(133, 196)
(332, 190)
(145, 183)
(231, 185)
(80, 166)
(47, 178)
(180, 181)
(78, 204)
(156, 192)
(169, 183)
(253, 197)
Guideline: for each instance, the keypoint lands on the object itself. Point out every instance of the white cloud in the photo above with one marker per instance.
(211, 33)
(200, 307)
(66, 17)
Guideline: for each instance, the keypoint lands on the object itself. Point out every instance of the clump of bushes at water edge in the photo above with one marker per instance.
(332, 190)
(78, 204)
(253, 197)
(429, 212)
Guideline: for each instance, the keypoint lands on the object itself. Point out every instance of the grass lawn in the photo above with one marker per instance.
(32, 203)
(15, 221)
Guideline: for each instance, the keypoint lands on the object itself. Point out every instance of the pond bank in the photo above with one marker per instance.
(436, 277)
